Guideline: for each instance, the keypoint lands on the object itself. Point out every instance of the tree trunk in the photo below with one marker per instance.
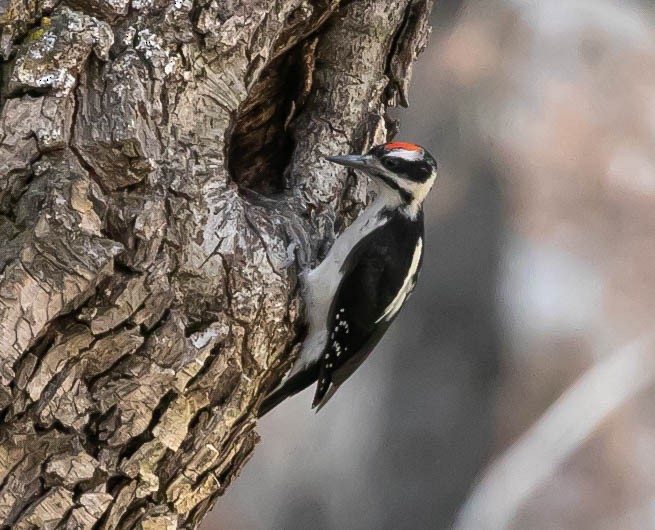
(161, 186)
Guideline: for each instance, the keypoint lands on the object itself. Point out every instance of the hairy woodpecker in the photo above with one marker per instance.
(355, 293)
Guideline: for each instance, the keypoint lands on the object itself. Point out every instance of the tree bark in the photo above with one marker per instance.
(161, 187)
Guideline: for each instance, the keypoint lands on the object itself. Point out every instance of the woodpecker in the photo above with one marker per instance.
(355, 293)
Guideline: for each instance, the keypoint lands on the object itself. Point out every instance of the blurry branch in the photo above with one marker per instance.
(560, 431)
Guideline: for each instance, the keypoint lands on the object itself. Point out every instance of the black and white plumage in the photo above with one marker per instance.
(358, 289)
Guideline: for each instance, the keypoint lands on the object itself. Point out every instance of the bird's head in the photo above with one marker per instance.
(407, 169)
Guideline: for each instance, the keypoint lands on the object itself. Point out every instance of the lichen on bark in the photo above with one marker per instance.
(161, 187)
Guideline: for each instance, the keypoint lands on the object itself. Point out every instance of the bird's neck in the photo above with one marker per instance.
(390, 200)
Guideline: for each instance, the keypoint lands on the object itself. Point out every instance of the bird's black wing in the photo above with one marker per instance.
(368, 298)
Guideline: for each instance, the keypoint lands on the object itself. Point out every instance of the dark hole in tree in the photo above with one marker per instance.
(260, 145)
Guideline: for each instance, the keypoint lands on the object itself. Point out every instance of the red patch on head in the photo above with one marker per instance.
(402, 145)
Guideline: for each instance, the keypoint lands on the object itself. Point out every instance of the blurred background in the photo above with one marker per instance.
(539, 266)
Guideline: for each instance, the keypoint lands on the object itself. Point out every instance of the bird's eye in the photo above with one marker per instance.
(390, 163)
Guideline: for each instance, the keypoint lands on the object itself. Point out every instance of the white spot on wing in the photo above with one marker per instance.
(407, 286)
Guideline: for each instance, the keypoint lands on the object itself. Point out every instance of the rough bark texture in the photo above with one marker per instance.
(161, 187)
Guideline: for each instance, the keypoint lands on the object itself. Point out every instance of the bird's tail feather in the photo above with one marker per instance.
(319, 403)
(288, 388)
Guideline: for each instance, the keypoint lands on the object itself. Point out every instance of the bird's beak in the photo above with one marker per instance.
(354, 161)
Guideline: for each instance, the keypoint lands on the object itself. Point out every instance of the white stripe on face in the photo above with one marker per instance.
(406, 154)
(418, 190)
